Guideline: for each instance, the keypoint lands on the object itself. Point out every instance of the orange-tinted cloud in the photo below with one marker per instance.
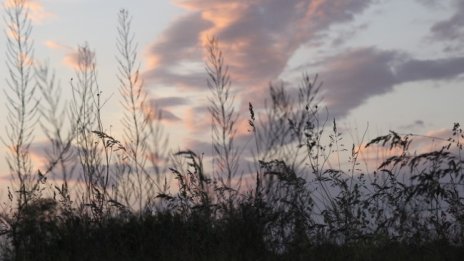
(243, 127)
(55, 45)
(257, 37)
(80, 58)
(74, 58)
(37, 12)
(197, 121)
(39, 161)
(433, 140)
(372, 157)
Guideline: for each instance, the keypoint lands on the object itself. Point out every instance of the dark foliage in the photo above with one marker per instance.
(294, 203)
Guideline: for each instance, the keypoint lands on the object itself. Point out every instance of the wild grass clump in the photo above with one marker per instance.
(126, 197)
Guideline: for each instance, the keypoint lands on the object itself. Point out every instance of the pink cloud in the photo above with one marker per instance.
(74, 58)
(37, 12)
(51, 44)
(155, 112)
(197, 121)
(257, 37)
(80, 58)
(432, 140)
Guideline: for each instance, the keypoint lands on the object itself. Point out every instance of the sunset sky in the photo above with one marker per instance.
(391, 64)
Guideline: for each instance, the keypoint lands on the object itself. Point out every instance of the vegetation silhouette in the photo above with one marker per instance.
(101, 197)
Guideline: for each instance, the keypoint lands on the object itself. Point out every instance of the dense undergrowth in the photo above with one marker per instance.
(128, 198)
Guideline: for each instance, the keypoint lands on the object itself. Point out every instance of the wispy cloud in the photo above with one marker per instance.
(51, 44)
(197, 120)
(353, 76)
(153, 110)
(170, 102)
(257, 37)
(42, 154)
(350, 78)
(451, 30)
(79, 57)
(431, 3)
(37, 12)
(413, 126)
(73, 57)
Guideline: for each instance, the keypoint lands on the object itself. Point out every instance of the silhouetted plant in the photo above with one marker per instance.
(138, 182)
(21, 101)
(300, 201)
(223, 116)
(53, 117)
(193, 190)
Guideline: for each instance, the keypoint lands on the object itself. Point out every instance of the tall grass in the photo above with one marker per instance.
(22, 103)
(300, 201)
(140, 125)
(223, 116)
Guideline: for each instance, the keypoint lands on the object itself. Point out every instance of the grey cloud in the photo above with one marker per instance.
(343, 36)
(200, 147)
(195, 81)
(352, 77)
(161, 111)
(451, 29)
(170, 102)
(179, 43)
(167, 115)
(45, 152)
(259, 38)
(431, 3)
(274, 30)
(201, 110)
(180, 40)
(415, 70)
(241, 144)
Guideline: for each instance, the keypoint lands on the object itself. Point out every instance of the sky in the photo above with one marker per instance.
(384, 64)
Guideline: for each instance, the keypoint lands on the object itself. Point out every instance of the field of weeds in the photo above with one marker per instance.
(127, 197)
